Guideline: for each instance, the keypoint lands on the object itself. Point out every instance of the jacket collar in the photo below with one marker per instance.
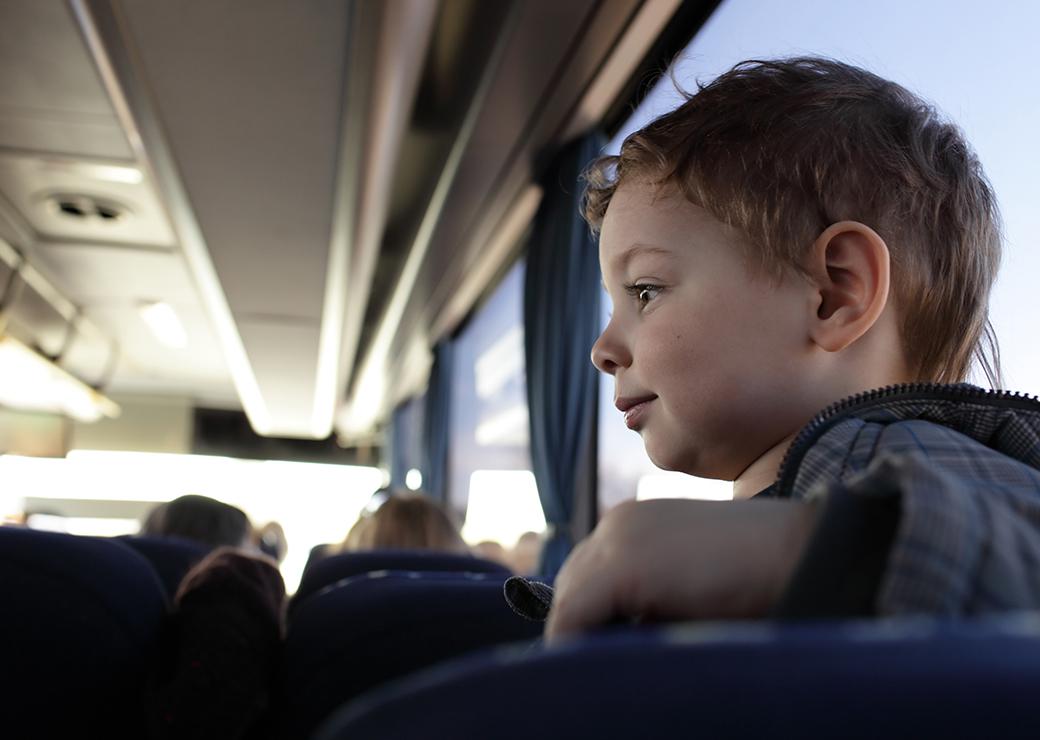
(975, 412)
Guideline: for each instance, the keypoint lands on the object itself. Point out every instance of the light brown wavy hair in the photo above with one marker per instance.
(783, 149)
(406, 521)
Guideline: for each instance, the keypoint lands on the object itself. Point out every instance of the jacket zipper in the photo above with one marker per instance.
(868, 399)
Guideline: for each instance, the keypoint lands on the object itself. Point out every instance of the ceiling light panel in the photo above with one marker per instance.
(31, 382)
(164, 323)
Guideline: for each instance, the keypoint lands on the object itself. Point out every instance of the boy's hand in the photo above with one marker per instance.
(678, 559)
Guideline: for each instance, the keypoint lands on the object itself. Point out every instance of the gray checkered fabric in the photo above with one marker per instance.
(966, 471)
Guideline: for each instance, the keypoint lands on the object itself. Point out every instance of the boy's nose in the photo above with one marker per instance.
(608, 355)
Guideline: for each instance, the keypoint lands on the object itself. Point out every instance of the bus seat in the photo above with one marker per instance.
(333, 568)
(172, 557)
(81, 620)
(317, 553)
(898, 679)
(379, 626)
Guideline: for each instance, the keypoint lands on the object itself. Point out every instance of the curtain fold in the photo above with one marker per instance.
(404, 440)
(397, 440)
(436, 422)
(561, 322)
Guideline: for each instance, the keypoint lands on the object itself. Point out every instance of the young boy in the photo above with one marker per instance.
(797, 233)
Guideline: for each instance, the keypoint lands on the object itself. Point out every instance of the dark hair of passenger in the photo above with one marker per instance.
(782, 149)
(270, 540)
(406, 521)
(201, 519)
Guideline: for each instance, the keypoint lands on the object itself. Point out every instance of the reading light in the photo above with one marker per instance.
(413, 479)
(31, 382)
(164, 323)
(113, 173)
(96, 170)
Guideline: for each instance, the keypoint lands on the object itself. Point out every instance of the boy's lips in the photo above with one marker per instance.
(634, 408)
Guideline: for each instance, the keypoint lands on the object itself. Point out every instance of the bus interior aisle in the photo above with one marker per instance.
(298, 423)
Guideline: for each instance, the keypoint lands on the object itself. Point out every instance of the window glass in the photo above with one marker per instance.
(974, 63)
(104, 493)
(489, 467)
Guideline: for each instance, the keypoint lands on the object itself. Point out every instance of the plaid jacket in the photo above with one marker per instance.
(930, 503)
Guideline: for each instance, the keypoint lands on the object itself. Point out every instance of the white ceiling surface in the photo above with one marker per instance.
(97, 277)
(51, 99)
(250, 104)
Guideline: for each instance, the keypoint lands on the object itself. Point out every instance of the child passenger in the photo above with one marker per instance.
(803, 235)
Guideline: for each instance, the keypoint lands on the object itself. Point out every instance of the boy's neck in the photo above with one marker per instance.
(762, 473)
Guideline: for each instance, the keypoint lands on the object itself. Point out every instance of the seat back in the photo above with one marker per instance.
(332, 568)
(888, 680)
(172, 557)
(318, 553)
(373, 628)
(81, 620)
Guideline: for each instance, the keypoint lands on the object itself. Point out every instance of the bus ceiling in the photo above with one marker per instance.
(317, 191)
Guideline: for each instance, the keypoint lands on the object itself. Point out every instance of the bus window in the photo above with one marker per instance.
(107, 493)
(490, 475)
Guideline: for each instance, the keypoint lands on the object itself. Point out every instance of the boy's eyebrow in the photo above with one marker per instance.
(625, 257)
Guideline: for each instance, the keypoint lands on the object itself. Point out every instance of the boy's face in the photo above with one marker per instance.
(722, 359)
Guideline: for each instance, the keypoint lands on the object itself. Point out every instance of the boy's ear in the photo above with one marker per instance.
(849, 271)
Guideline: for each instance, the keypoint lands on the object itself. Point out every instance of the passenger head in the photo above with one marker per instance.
(796, 231)
(353, 538)
(493, 551)
(406, 521)
(527, 553)
(201, 519)
(270, 540)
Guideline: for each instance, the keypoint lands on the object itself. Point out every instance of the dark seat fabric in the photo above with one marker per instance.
(332, 568)
(376, 627)
(890, 680)
(171, 557)
(317, 554)
(81, 620)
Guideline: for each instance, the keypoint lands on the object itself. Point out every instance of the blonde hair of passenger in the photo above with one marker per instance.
(406, 521)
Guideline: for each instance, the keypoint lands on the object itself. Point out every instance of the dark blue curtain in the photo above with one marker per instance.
(436, 422)
(561, 322)
(404, 440)
(398, 437)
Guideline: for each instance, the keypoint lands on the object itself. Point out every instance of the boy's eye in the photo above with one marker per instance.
(643, 292)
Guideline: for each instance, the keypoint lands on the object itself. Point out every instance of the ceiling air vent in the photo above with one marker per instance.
(86, 208)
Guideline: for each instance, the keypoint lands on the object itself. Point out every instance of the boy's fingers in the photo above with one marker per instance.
(584, 596)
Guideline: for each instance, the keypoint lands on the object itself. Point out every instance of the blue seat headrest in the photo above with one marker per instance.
(81, 617)
(853, 681)
(376, 627)
(172, 557)
(333, 568)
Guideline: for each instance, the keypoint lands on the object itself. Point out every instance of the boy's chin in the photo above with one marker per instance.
(678, 460)
(664, 458)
